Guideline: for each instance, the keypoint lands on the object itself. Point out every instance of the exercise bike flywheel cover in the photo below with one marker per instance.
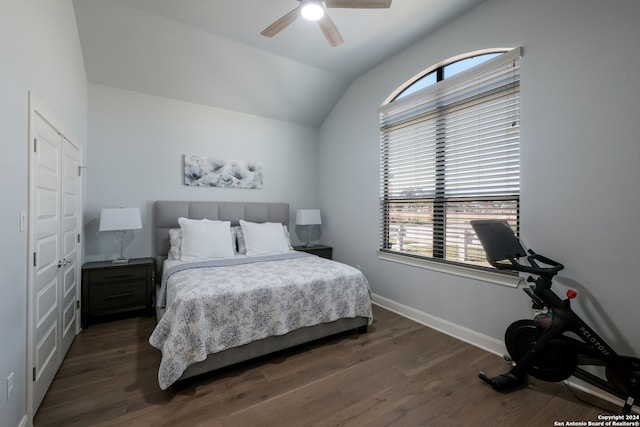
(553, 363)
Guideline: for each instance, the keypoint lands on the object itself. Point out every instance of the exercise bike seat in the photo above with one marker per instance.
(503, 249)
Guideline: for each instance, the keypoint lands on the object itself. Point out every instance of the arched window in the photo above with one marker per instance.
(450, 154)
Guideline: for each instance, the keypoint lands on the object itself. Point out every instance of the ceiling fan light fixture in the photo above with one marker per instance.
(312, 9)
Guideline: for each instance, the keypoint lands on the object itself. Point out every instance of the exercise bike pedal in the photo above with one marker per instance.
(502, 382)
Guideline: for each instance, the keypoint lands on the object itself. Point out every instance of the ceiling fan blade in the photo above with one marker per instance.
(330, 31)
(358, 4)
(281, 23)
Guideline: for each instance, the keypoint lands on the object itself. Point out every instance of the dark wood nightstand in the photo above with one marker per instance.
(112, 288)
(320, 250)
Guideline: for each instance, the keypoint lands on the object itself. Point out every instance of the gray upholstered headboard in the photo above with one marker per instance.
(166, 214)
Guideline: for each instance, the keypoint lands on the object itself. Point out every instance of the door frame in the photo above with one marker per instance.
(38, 108)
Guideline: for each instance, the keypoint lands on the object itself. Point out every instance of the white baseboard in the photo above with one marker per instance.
(469, 336)
(476, 339)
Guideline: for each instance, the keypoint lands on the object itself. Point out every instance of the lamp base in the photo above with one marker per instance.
(308, 244)
(121, 259)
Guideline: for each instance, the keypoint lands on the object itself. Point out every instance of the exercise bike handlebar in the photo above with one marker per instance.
(534, 266)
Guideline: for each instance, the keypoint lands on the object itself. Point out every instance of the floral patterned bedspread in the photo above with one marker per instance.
(216, 306)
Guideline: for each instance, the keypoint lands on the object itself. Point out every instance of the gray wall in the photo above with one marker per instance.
(39, 52)
(136, 157)
(579, 156)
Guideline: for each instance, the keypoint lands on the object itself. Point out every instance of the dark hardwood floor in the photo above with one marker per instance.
(399, 374)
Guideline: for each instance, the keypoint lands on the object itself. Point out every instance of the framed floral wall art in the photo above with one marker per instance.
(214, 172)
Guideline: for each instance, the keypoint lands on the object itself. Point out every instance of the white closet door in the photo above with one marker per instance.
(54, 213)
(45, 222)
(69, 244)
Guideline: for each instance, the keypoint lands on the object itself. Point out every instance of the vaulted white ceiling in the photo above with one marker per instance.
(211, 52)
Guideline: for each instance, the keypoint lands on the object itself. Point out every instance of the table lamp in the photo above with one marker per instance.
(120, 219)
(308, 217)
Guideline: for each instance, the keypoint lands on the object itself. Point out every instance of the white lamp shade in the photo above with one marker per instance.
(308, 217)
(120, 219)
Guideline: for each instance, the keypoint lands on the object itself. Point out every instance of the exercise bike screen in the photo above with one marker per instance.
(498, 239)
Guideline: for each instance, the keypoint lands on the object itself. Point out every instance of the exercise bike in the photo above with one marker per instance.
(557, 343)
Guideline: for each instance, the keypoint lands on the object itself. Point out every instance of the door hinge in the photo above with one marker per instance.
(35, 145)
(78, 237)
(77, 304)
(34, 373)
(35, 259)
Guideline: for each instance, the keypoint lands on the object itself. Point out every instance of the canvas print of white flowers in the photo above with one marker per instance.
(214, 172)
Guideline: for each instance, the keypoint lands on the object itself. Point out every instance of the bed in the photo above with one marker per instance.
(216, 312)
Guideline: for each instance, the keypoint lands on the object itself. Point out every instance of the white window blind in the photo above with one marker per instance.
(450, 154)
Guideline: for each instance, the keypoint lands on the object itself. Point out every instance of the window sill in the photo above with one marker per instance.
(489, 276)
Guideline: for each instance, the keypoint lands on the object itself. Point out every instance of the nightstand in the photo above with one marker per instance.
(110, 288)
(320, 250)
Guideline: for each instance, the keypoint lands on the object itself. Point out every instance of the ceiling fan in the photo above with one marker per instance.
(314, 10)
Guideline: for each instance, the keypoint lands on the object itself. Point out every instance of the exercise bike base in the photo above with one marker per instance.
(503, 382)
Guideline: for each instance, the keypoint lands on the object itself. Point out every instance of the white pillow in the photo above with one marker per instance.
(242, 247)
(175, 242)
(265, 238)
(204, 238)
